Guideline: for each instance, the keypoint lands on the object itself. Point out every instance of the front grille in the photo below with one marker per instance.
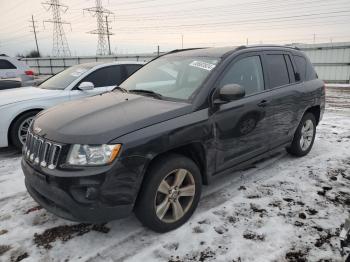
(40, 151)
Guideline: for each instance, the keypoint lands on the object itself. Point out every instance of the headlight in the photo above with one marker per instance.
(92, 155)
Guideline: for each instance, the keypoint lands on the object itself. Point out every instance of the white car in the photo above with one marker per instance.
(12, 68)
(18, 106)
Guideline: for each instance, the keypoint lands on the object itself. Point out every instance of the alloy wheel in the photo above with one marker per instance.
(307, 135)
(175, 195)
(23, 129)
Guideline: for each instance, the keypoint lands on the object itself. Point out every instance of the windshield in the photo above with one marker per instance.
(171, 76)
(64, 78)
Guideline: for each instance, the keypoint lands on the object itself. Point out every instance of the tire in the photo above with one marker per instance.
(152, 195)
(296, 147)
(21, 122)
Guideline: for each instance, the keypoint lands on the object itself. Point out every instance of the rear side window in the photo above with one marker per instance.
(4, 64)
(310, 72)
(305, 68)
(278, 71)
(107, 76)
(130, 69)
(246, 72)
(301, 66)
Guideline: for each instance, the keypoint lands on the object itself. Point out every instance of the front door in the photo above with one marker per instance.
(242, 127)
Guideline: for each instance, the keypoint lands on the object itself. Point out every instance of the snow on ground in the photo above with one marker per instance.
(283, 209)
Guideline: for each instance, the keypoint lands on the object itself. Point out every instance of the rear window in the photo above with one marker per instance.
(4, 64)
(278, 71)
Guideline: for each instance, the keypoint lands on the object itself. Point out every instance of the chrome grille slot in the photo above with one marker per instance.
(40, 151)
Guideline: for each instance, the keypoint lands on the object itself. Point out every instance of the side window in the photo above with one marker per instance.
(4, 64)
(278, 71)
(290, 67)
(246, 72)
(310, 72)
(130, 69)
(107, 76)
(301, 66)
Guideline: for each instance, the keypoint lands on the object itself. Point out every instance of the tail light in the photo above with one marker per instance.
(29, 72)
(324, 88)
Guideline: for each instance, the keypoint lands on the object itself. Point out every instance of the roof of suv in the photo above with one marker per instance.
(224, 51)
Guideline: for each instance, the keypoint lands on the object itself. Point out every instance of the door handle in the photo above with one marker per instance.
(263, 103)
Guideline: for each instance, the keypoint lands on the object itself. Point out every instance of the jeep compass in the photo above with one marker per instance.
(177, 123)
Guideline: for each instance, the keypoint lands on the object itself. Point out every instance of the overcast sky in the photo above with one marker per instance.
(141, 25)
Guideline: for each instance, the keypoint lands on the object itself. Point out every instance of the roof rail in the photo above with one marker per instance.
(283, 46)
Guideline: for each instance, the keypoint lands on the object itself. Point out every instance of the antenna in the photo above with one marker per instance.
(103, 28)
(60, 45)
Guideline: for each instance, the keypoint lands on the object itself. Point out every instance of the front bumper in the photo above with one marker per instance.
(66, 196)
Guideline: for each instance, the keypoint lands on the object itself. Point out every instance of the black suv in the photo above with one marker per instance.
(177, 123)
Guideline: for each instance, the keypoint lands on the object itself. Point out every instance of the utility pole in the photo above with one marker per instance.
(182, 41)
(102, 31)
(34, 31)
(109, 43)
(60, 44)
(158, 50)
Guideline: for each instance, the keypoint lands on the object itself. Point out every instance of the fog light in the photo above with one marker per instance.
(91, 193)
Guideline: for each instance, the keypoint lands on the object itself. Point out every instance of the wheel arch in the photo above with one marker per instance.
(316, 111)
(194, 151)
(18, 116)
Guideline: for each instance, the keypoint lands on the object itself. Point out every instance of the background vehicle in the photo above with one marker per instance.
(12, 68)
(186, 118)
(19, 106)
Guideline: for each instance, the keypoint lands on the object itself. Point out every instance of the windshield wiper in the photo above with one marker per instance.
(121, 89)
(146, 92)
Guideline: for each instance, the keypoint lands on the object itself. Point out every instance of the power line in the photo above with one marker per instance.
(245, 21)
(60, 43)
(102, 30)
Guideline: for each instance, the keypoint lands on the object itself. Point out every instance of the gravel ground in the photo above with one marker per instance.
(283, 209)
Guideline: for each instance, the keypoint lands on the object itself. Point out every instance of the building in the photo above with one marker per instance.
(331, 60)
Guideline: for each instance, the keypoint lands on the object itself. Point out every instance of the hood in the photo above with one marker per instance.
(102, 118)
(14, 95)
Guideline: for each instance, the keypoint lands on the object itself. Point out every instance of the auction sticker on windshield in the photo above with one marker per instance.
(202, 65)
(78, 72)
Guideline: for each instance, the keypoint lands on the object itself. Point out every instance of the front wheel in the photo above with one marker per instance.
(304, 136)
(170, 193)
(19, 129)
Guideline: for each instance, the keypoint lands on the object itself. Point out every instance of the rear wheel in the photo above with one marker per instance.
(170, 193)
(19, 129)
(304, 136)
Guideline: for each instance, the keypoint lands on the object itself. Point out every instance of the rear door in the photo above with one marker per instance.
(7, 69)
(285, 95)
(242, 127)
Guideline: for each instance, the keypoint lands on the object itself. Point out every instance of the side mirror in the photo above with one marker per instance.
(84, 86)
(231, 92)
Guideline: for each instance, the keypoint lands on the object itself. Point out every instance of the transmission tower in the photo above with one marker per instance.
(60, 45)
(103, 27)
